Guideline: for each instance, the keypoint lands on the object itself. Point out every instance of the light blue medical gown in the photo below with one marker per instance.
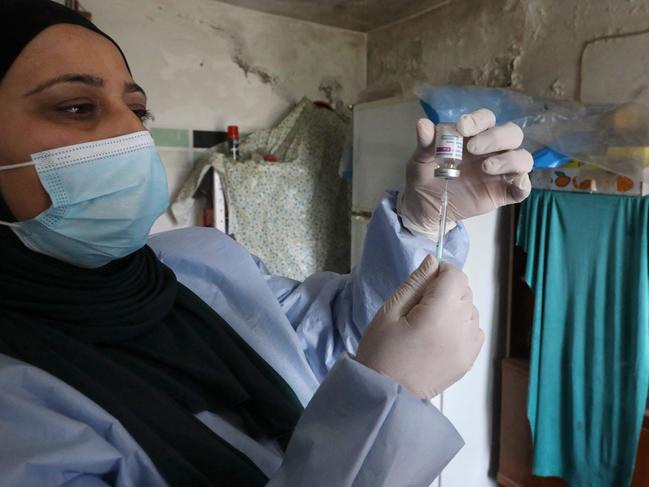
(359, 427)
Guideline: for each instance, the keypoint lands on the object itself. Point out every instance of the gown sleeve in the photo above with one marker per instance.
(362, 429)
(329, 312)
(53, 436)
(359, 428)
(301, 328)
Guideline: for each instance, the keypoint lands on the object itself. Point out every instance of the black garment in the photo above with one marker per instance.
(22, 20)
(149, 351)
(5, 213)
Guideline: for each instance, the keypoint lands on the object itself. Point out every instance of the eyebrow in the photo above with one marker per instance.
(131, 87)
(87, 79)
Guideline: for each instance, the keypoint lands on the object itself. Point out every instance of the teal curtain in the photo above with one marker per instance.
(589, 372)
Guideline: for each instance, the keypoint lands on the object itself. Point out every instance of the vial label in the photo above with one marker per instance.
(449, 146)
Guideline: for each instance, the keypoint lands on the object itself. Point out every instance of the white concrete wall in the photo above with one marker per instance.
(206, 65)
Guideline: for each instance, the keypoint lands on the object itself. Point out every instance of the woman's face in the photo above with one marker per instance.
(68, 86)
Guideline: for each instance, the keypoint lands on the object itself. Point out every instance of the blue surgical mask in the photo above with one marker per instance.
(105, 196)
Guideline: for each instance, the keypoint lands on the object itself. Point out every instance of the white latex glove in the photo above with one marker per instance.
(426, 336)
(494, 174)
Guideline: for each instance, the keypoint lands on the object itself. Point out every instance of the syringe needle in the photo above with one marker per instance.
(442, 222)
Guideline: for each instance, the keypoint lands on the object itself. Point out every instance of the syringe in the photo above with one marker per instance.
(449, 146)
(442, 222)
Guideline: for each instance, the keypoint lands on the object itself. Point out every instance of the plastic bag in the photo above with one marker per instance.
(614, 137)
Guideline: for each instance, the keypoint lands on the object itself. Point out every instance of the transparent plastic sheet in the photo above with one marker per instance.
(614, 137)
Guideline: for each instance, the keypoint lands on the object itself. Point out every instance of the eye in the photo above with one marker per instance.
(77, 109)
(143, 114)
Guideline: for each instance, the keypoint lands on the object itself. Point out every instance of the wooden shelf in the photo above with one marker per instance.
(515, 468)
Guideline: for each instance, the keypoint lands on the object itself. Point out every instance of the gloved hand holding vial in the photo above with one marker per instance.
(491, 171)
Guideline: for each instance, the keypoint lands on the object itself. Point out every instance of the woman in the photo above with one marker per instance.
(117, 370)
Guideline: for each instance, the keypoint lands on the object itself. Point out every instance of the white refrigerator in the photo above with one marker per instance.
(384, 138)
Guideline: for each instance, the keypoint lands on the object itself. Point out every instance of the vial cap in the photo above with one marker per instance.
(447, 173)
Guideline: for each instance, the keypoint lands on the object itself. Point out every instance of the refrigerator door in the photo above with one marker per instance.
(384, 139)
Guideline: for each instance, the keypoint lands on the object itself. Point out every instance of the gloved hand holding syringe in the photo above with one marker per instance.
(446, 186)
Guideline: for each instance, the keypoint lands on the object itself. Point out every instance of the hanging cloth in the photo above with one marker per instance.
(587, 264)
(294, 214)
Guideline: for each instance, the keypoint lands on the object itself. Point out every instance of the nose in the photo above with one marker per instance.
(122, 121)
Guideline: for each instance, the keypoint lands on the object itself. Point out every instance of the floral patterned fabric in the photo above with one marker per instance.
(294, 214)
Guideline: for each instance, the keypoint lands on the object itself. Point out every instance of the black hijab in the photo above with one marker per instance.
(133, 339)
(22, 20)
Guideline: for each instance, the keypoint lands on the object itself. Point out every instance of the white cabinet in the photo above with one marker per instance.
(384, 138)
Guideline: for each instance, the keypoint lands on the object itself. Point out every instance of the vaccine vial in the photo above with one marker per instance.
(449, 145)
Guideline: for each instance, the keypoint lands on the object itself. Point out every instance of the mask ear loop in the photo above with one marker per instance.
(6, 168)
(17, 166)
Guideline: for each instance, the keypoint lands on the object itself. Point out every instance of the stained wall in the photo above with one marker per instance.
(535, 46)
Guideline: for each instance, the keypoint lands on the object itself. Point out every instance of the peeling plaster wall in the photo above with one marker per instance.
(205, 64)
(359, 15)
(532, 45)
(462, 42)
